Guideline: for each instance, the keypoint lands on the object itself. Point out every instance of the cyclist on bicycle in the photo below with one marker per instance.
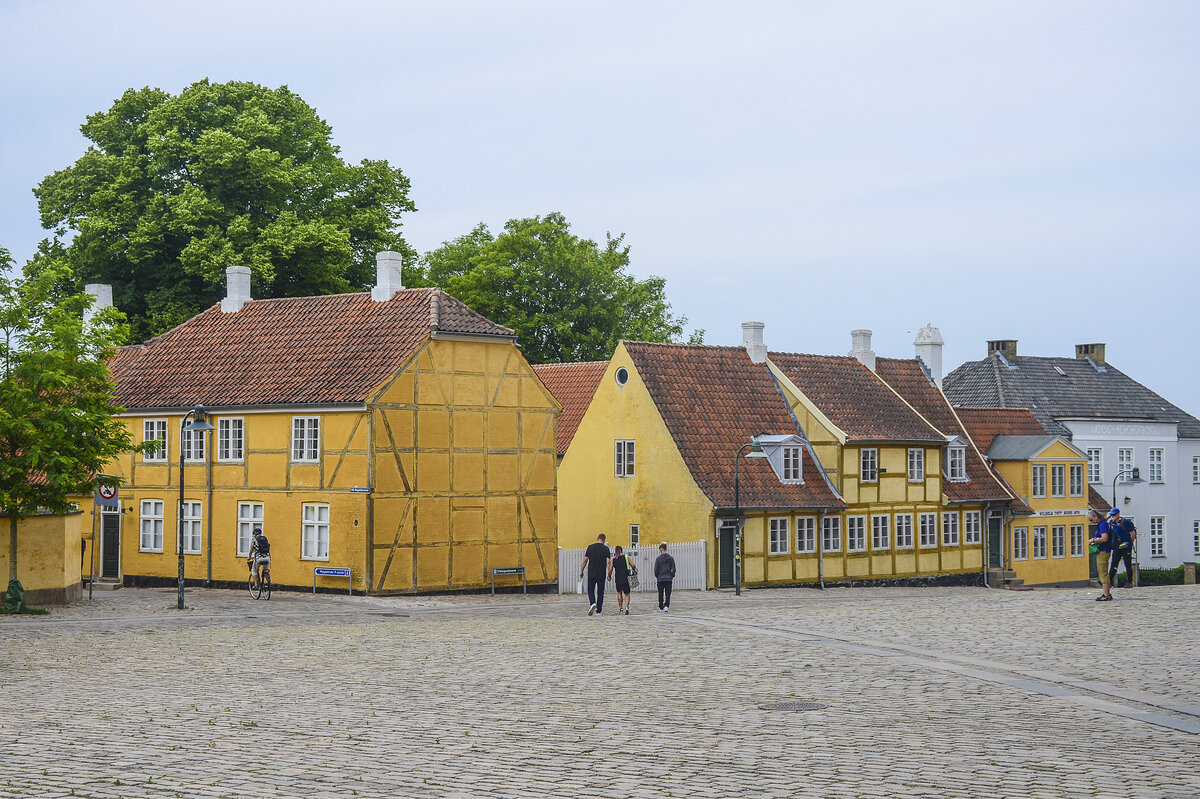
(260, 554)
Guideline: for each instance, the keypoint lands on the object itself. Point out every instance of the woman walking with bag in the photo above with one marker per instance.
(626, 573)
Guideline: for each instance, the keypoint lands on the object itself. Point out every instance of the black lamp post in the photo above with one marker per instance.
(756, 451)
(1135, 471)
(199, 424)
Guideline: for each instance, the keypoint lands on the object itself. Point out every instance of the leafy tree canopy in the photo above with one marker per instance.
(567, 298)
(57, 428)
(174, 189)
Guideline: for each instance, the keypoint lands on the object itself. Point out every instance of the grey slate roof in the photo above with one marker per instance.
(1061, 388)
(1018, 448)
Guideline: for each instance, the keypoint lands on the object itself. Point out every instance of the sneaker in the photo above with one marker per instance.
(667, 609)
(599, 613)
(1104, 598)
(592, 610)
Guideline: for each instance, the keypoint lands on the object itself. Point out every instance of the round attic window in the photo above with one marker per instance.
(622, 376)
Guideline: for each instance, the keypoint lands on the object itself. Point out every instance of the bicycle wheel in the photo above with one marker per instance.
(266, 583)
(255, 588)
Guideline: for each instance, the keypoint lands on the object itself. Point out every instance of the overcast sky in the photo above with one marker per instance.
(1020, 170)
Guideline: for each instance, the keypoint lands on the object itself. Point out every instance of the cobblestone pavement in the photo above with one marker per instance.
(929, 693)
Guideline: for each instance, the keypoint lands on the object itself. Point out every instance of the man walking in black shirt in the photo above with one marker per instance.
(596, 560)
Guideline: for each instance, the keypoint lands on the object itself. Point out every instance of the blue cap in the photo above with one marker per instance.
(1114, 512)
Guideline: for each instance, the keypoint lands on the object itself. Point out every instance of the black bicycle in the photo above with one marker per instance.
(262, 586)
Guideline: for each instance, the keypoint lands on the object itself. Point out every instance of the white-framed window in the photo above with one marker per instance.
(192, 442)
(1125, 463)
(1058, 541)
(1156, 465)
(1196, 537)
(1058, 474)
(625, 458)
(928, 523)
(916, 465)
(778, 536)
(192, 527)
(950, 528)
(868, 470)
(831, 534)
(1039, 543)
(972, 527)
(231, 439)
(904, 531)
(314, 532)
(635, 536)
(806, 534)
(956, 463)
(881, 534)
(1158, 536)
(1077, 479)
(1095, 464)
(1196, 469)
(151, 538)
(1020, 543)
(1039, 480)
(1076, 540)
(856, 533)
(306, 438)
(791, 463)
(155, 430)
(250, 515)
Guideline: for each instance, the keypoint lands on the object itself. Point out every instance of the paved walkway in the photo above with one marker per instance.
(932, 693)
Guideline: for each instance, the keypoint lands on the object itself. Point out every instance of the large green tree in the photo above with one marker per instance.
(567, 298)
(174, 189)
(57, 424)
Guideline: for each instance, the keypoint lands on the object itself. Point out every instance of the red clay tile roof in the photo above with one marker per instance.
(713, 400)
(984, 424)
(1097, 502)
(336, 348)
(912, 383)
(854, 398)
(573, 385)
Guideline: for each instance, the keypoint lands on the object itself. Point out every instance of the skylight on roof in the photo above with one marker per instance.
(1059, 369)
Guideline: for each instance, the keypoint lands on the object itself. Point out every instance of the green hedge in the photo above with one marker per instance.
(1156, 576)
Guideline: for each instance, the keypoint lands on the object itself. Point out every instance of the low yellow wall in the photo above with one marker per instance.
(48, 557)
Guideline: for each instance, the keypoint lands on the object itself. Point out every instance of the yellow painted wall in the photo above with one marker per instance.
(48, 552)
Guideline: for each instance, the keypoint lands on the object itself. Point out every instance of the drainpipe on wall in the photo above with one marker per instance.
(821, 549)
(987, 532)
(208, 516)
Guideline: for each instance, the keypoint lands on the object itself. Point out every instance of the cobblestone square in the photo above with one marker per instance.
(931, 693)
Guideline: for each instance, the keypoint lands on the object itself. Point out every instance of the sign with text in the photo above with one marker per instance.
(331, 571)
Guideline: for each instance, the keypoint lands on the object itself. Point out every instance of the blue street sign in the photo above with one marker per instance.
(331, 571)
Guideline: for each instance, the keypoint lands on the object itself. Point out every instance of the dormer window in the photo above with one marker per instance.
(956, 463)
(791, 464)
(785, 455)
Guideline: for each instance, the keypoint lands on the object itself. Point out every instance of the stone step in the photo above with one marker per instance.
(105, 584)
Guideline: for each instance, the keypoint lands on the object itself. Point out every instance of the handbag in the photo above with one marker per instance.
(633, 578)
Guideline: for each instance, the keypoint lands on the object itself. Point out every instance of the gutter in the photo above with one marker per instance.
(987, 506)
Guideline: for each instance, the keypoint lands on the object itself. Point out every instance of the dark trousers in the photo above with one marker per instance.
(664, 594)
(1118, 556)
(596, 592)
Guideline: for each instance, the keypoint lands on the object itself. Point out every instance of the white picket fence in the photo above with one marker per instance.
(691, 568)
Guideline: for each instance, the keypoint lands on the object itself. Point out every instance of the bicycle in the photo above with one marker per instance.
(263, 584)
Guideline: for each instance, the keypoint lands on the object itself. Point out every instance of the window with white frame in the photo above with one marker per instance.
(778, 536)
(1156, 465)
(1058, 541)
(1039, 543)
(1158, 536)
(155, 430)
(916, 465)
(306, 438)
(1125, 463)
(856, 533)
(151, 539)
(928, 522)
(806, 534)
(635, 536)
(1095, 465)
(1058, 480)
(950, 528)
(250, 516)
(192, 528)
(1020, 543)
(1076, 540)
(1039, 480)
(192, 442)
(625, 458)
(1196, 469)
(904, 531)
(1196, 537)
(1077, 479)
(831, 534)
(868, 470)
(314, 532)
(230, 440)
(791, 463)
(973, 527)
(881, 537)
(956, 463)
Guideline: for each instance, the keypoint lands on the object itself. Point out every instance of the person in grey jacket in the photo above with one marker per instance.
(664, 572)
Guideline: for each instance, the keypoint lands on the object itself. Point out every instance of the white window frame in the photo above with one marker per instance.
(1076, 540)
(950, 528)
(904, 531)
(155, 430)
(1058, 541)
(1095, 465)
(193, 527)
(778, 535)
(972, 527)
(193, 444)
(1039, 542)
(1058, 480)
(231, 439)
(625, 458)
(314, 531)
(306, 439)
(928, 527)
(1158, 536)
(1020, 543)
(831, 534)
(1196, 537)
(793, 465)
(916, 465)
(1196, 469)
(868, 467)
(806, 534)
(881, 532)
(635, 536)
(856, 533)
(956, 464)
(1125, 463)
(1154, 468)
(150, 536)
(1037, 480)
(1075, 477)
(250, 515)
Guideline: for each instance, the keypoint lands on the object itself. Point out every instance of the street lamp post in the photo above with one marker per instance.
(199, 424)
(1136, 472)
(756, 451)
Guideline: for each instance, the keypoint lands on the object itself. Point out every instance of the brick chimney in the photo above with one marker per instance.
(102, 298)
(388, 278)
(929, 349)
(860, 347)
(1005, 346)
(1093, 351)
(752, 340)
(237, 289)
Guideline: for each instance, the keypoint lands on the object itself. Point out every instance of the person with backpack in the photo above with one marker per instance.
(1122, 546)
(260, 554)
(664, 572)
(1103, 541)
(622, 566)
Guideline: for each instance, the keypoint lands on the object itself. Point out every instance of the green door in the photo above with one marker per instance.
(725, 556)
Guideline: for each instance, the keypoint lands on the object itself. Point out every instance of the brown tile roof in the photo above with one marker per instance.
(1097, 502)
(573, 385)
(713, 400)
(336, 348)
(912, 383)
(854, 398)
(984, 424)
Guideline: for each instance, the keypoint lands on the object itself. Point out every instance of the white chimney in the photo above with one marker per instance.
(388, 279)
(237, 289)
(860, 343)
(752, 340)
(102, 295)
(929, 350)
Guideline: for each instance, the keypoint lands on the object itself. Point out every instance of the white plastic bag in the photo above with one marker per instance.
(579, 586)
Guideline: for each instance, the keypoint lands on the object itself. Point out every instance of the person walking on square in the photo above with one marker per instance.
(597, 561)
(1122, 546)
(1103, 539)
(664, 572)
(622, 567)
